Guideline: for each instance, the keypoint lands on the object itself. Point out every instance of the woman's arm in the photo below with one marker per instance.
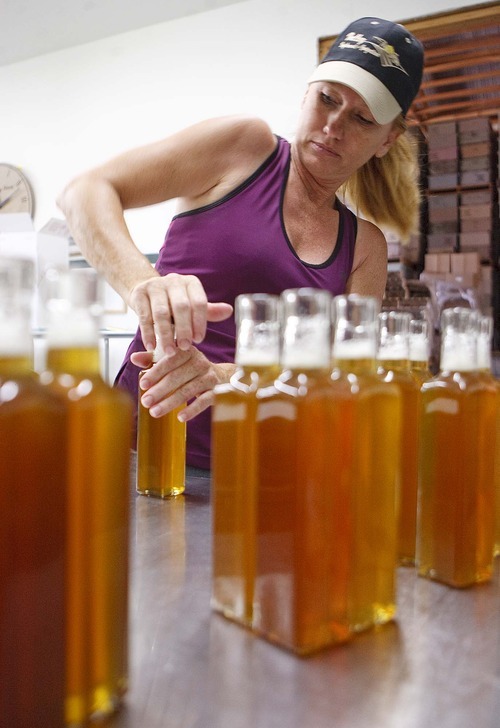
(197, 165)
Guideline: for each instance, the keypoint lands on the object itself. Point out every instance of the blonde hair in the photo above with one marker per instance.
(386, 189)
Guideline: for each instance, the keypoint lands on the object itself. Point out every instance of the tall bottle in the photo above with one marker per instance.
(394, 366)
(297, 565)
(100, 420)
(32, 520)
(456, 491)
(233, 455)
(484, 346)
(161, 450)
(420, 347)
(364, 425)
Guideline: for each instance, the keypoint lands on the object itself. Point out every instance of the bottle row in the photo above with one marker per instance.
(336, 460)
(65, 440)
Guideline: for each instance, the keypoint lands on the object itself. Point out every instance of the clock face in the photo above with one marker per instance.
(15, 191)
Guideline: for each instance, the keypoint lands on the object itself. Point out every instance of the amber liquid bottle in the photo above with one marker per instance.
(394, 366)
(100, 424)
(484, 346)
(419, 348)
(456, 491)
(33, 520)
(297, 564)
(364, 427)
(161, 451)
(233, 455)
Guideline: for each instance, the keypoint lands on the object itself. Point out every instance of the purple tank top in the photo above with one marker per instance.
(239, 245)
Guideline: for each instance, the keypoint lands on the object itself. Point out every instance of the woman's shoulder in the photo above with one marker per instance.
(243, 133)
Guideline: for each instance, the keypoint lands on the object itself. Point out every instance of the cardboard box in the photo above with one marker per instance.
(474, 240)
(476, 177)
(476, 124)
(476, 197)
(436, 133)
(461, 263)
(480, 149)
(471, 137)
(443, 153)
(482, 224)
(444, 166)
(444, 181)
(473, 163)
(447, 226)
(443, 214)
(468, 212)
(437, 262)
(442, 241)
(448, 199)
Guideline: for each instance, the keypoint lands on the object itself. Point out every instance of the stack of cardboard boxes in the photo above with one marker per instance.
(462, 205)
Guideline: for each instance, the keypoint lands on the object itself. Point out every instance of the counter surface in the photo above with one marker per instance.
(436, 666)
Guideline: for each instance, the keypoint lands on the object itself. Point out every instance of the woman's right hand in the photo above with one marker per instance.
(173, 311)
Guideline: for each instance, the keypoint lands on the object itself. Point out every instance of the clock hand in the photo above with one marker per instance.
(7, 199)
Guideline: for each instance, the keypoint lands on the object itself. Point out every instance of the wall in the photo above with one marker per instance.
(64, 112)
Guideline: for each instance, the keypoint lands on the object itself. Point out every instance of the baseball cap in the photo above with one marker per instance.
(381, 61)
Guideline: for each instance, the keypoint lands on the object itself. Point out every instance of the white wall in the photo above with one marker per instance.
(64, 112)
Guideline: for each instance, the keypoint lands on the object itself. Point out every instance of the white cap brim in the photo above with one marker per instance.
(379, 100)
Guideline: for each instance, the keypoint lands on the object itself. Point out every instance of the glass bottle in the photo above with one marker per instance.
(420, 346)
(296, 563)
(456, 491)
(100, 430)
(33, 519)
(394, 366)
(233, 454)
(161, 450)
(484, 346)
(363, 459)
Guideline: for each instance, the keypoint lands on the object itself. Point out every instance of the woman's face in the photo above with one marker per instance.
(337, 133)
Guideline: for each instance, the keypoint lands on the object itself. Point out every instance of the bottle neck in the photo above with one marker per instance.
(459, 353)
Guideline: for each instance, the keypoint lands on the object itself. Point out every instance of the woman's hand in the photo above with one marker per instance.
(174, 380)
(174, 309)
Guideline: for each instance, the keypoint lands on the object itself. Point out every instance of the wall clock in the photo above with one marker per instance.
(15, 191)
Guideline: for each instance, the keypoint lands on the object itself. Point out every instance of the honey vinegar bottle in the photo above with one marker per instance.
(484, 346)
(363, 462)
(297, 564)
(100, 425)
(394, 366)
(420, 347)
(33, 520)
(161, 451)
(233, 455)
(456, 490)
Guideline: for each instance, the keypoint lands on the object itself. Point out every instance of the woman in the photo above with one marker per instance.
(256, 214)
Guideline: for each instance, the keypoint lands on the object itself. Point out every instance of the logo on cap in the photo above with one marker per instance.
(381, 49)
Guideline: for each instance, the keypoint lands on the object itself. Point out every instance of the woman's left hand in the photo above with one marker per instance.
(175, 380)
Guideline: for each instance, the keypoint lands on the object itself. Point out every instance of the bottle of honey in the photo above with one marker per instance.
(234, 455)
(297, 565)
(33, 466)
(455, 534)
(484, 346)
(161, 450)
(99, 427)
(394, 366)
(364, 426)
